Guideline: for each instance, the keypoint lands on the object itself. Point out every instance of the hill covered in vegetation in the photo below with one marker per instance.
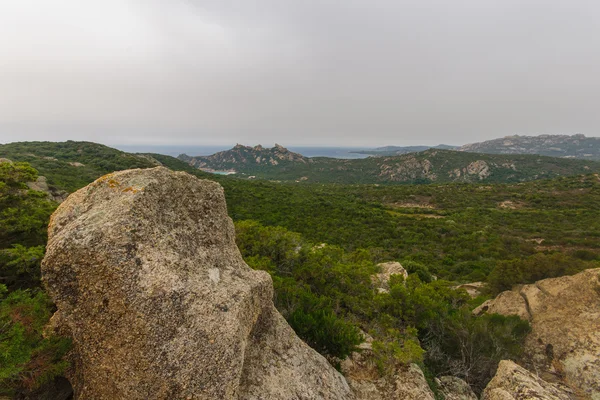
(566, 146)
(246, 159)
(430, 166)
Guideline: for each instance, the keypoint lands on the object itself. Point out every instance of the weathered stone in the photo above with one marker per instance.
(507, 303)
(564, 343)
(473, 289)
(41, 185)
(148, 281)
(381, 281)
(404, 383)
(513, 382)
(455, 388)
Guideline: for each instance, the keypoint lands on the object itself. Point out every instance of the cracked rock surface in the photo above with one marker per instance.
(564, 343)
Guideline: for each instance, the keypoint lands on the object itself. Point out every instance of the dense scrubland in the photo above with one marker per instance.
(321, 243)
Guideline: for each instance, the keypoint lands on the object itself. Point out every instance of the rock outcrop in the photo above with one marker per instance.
(41, 185)
(148, 282)
(381, 281)
(564, 343)
(473, 289)
(405, 383)
(454, 388)
(513, 382)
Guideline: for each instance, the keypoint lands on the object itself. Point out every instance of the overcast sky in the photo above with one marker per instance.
(346, 72)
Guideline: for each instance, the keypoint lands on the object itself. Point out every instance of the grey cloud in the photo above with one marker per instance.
(297, 72)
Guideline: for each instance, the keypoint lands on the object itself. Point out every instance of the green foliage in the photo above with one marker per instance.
(27, 359)
(21, 265)
(309, 282)
(24, 213)
(421, 270)
(397, 348)
(325, 292)
(471, 347)
(324, 331)
(537, 267)
(24, 216)
(455, 342)
(13, 177)
(57, 161)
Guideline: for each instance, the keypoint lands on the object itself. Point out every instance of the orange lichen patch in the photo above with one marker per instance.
(105, 177)
(131, 189)
(113, 183)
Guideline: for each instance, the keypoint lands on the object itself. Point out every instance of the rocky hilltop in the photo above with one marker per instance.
(150, 286)
(563, 347)
(568, 146)
(241, 158)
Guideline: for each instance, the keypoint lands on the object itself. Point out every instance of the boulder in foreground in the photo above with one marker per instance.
(564, 343)
(148, 281)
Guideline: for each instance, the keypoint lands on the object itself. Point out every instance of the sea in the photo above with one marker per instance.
(307, 151)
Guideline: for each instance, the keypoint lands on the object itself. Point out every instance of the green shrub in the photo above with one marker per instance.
(531, 269)
(27, 358)
(399, 348)
(471, 347)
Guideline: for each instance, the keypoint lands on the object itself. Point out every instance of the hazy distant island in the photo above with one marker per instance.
(397, 150)
(564, 146)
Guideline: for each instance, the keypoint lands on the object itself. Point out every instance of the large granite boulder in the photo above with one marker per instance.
(381, 281)
(564, 343)
(513, 382)
(148, 282)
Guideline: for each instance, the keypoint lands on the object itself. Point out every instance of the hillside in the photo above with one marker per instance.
(71, 165)
(567, 146)
(430, 166)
